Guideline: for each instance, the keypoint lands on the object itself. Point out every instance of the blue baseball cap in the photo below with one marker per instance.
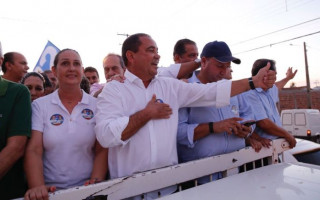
(220, 51)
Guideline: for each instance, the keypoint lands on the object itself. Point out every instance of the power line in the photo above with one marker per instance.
(276, 31)
(278, 42)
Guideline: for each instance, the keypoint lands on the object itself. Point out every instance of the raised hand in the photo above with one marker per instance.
(265, 78)
(290, 75)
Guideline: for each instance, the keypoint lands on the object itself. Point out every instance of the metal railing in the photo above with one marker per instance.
(141, 183)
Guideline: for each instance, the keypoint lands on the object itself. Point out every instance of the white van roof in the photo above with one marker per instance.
(280, 181)
(301, 110)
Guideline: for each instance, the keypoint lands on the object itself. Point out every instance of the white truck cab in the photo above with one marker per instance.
(303, 123)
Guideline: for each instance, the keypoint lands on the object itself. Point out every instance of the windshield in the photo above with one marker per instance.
(312, 157)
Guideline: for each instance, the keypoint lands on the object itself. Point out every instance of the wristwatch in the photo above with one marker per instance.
(252, 87)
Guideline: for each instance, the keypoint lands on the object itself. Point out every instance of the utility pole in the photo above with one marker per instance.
(307, 75)
(123, 34)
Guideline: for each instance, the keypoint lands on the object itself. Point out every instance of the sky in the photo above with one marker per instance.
(253, 29)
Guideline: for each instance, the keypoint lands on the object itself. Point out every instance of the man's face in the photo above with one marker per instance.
(19, 66)
(112, 66)
(145, 61)
(53, 80)
(190, 55)
(92, 77)
(214, 70)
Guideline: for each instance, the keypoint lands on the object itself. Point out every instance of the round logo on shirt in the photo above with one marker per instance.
(159, 100)
(87, 113)
(56, 119)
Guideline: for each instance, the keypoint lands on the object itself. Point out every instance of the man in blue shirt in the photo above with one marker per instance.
(266, 114)
(209, 131)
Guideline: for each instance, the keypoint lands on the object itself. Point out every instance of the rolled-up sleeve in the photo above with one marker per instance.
(171, 71)
(185, 131)
(110, 118)
(37, 117)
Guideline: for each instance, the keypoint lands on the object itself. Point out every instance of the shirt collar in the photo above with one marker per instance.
(134, 79)
(3, 86)
(130, 76)
(56, 99)
(194, 78)
(259, 90)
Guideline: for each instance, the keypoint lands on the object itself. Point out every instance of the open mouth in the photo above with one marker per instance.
(155, 63)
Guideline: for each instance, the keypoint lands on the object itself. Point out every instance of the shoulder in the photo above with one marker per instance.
(43, 101)
(91, 100)
(164, 79)
(17, 88)
(16, 92)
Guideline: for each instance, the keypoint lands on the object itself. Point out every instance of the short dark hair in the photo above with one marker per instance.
(132, 43)
(56, 58)
(261, 63)
(48, 71)
(85, 84)
(91, 69)
(35, 74)
(47, 81)
(8, 57)
(180, 46)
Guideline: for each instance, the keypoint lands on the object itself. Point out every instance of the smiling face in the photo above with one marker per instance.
(35, 86)
(144, 62)
(69, 70)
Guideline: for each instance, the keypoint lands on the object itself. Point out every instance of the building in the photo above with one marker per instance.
(296, 98)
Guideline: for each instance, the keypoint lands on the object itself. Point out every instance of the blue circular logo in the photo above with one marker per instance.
(159, 100)
(56, 119)
(87, 114)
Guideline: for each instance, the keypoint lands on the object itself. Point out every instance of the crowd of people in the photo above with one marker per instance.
(143, 117)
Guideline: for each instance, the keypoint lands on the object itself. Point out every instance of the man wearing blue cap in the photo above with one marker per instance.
(225, 133)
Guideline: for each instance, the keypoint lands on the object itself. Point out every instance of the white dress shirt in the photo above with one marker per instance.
(155, 144)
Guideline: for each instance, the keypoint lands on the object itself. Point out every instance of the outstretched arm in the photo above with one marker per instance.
(264, 79)
(289, 75)
(187, 68)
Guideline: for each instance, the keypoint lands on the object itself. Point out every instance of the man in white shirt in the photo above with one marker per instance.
(137, 120)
